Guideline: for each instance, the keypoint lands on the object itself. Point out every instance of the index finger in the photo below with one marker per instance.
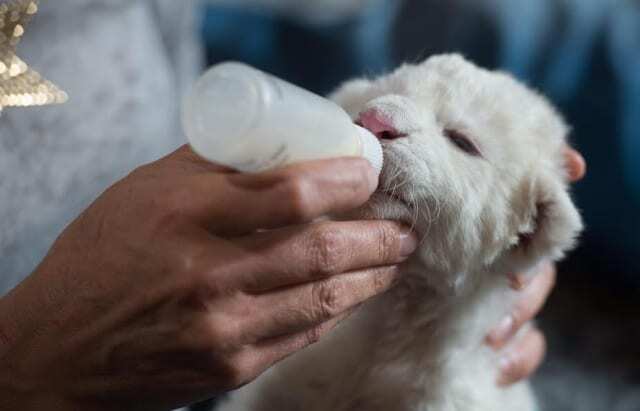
(234, 204)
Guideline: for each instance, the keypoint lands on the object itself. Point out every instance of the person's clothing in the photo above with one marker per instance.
(123, 64)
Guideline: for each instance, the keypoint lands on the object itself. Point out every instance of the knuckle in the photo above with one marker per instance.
(313, 335)
(176, 201)
(521, 368)
(383, 278)
(326, 246)
(236, 370)
(518, 316)
(186, 263)
(528, 358)
(219, 334)
(388, 245)
(166, 212)
(298, 192)
(206, 337)
(326, 300)
(194, 268)
(541, 344)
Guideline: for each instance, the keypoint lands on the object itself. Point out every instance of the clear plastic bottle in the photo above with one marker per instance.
(251, 121)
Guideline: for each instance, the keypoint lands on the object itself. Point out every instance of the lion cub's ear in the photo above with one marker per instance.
(352, 95)
(547, 222)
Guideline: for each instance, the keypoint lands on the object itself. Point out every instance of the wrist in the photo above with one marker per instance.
(25, 392)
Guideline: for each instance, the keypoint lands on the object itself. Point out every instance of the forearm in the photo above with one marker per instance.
(21, 386)
(15, 399)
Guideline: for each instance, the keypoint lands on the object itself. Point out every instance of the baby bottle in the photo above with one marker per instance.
(251, 121)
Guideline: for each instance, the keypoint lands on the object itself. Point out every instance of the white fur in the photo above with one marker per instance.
(420, 346)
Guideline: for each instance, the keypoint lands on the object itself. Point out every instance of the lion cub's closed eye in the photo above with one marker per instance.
(463, 142)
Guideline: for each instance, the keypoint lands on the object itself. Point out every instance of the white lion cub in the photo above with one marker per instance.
(474, 161)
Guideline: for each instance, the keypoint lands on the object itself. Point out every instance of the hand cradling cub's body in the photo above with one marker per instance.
(474, 162)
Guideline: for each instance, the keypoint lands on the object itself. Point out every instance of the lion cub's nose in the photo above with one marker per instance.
(379, 124)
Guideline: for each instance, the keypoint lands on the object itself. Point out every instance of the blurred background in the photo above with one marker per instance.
(583, 54)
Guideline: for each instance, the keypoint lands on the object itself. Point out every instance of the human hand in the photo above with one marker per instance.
(167, 289)
(521, 357)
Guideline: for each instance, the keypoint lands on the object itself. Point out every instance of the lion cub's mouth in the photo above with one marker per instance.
(383, 128)
(391, 191)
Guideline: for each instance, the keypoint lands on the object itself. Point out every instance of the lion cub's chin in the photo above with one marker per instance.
(382, 206)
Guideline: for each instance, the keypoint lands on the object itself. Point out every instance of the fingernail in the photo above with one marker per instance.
(408, 242)
(373, 179)
(499, 335)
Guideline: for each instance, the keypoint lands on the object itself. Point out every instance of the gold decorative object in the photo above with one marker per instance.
(20, 86)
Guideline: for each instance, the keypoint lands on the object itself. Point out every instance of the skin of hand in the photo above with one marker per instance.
(521, 357)
(170, 288)
(185, 280)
